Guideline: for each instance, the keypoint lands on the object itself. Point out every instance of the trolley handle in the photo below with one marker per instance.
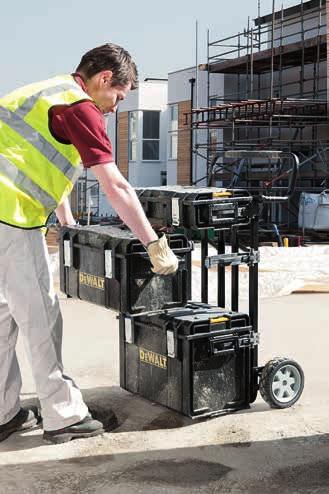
(271, 154)
(268, 199)
(292, 182)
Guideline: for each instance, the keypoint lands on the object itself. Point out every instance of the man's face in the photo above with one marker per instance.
(105, 95)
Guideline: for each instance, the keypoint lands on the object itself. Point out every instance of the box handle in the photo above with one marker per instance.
(223, 351)
(108, 263)
(67, 253)
(220, 341)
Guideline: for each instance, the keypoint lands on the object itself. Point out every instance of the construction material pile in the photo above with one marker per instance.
(281, 271)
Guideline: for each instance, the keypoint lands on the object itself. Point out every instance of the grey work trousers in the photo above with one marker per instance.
(28, 303)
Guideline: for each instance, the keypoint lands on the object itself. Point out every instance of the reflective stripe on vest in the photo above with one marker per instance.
(36, 171)
(26, 185)
(16, 123)
(29, 103)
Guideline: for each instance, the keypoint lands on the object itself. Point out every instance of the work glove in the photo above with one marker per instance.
(162, 257)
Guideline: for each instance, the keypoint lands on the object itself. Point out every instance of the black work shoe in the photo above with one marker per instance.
(25, 419)
(106, 416)
(88, 427)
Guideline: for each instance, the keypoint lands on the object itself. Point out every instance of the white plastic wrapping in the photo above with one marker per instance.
(281, 272)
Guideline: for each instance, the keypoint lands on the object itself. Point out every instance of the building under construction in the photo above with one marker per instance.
(264, 88)
(274, 97)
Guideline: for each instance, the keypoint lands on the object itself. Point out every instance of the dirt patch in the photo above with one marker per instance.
(187, 472)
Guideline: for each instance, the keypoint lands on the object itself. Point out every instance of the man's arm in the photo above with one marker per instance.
(64, 213)
(84, 127)
(124, 199)
(126, 203)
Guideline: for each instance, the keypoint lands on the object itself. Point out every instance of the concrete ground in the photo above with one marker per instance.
(158, 451)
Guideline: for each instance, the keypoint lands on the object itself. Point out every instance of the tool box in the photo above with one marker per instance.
(197, 208)
(108, 266)
(195, 359)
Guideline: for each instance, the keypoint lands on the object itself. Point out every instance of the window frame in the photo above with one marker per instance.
(132, 139)
(173, 132)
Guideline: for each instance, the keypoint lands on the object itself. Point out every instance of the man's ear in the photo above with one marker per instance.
(106, 76)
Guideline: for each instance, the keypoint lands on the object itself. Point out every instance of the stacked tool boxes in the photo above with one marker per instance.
(197, 359)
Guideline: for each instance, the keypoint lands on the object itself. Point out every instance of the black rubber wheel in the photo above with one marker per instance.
(281, 382)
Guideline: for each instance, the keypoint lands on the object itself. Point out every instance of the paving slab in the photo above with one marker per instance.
(156, 450)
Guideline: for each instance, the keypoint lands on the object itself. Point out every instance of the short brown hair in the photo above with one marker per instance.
(110, 57)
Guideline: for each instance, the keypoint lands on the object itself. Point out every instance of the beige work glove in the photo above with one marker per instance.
(162, 257)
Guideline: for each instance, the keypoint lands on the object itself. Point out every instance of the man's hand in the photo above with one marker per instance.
(162, 257)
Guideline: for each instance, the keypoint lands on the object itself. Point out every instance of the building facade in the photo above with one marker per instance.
(155, 142)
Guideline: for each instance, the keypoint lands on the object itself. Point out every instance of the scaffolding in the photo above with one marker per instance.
(274, 98)
(85, 198)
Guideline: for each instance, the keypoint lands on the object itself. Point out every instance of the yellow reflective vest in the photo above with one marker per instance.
(37, 172)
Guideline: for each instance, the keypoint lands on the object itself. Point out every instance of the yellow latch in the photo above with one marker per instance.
(223, 193)
(219, 319)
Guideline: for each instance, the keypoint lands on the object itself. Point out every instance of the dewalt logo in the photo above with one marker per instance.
(91, 280)
(152, 358)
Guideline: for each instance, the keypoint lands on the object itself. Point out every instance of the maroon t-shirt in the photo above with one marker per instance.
(83, 125)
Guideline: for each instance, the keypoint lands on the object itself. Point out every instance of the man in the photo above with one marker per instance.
(46, 130)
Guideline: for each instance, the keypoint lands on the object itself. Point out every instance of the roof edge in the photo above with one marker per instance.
(288, 11)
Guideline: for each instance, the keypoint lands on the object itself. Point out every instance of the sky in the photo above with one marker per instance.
(42, 38)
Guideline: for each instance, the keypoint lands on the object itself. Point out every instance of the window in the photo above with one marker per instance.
(173, 128)
(133, 122)
(151, 135)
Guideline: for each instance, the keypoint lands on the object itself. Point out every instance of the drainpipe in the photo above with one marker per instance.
(192, 82)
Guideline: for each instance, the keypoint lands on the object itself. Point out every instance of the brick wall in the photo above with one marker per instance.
(123, 143)
(184, 145)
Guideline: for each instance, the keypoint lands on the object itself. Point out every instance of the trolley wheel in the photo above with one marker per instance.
(281, 382)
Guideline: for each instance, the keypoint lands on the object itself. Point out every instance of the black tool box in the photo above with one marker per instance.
(108, 265)
(195, 359)
(192, 207)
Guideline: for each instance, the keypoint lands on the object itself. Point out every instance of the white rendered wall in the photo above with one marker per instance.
(153, 95)
(171, 172)
(150, 95)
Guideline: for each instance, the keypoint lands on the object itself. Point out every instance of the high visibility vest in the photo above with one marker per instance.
(37, 172)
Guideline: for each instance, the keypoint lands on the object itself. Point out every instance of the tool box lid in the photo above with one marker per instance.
(199, 317)
(119, 238)
(187, 192)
